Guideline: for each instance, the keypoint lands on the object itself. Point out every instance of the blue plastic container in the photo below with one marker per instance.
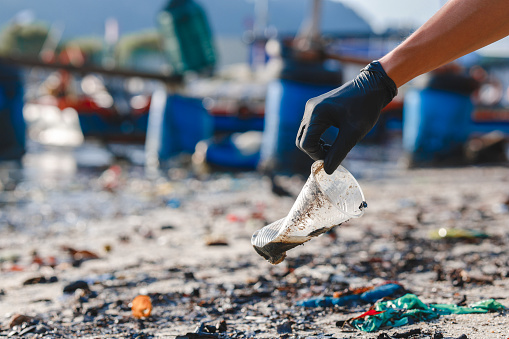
(436, 124)
(237, 124)
(284, 108)
(12, 124)
(226, 154)
(116, 128)
(176, 124)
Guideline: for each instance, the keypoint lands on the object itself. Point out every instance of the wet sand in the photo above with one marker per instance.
(151, 236)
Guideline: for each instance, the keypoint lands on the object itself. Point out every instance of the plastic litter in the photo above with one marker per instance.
(324, 202)
(141, 306)
(456, 233)
(369, 296)
(410, 309)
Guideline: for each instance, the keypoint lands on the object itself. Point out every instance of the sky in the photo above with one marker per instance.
(382, 14)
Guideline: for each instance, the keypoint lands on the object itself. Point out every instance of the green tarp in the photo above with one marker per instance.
(410, 309)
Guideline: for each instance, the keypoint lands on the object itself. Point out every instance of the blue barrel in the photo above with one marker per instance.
(436, 124)
(284, 108)
(113, 127)
(176, 124)
(226, 154)
(299, 81)
(12, 124)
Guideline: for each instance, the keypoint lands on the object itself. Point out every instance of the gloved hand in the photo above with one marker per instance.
(353, 108)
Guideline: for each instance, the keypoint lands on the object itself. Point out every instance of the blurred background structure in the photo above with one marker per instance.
(222, 84)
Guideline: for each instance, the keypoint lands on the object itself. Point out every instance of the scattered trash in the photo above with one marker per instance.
(19, 319)
(79, 284)
(173, 203)
(40, 280)
(410, 309)
(407, 334)
(284, 328)
(362, 296)
(221, 326)
(324, 202)
(216, 240)
(455, 233)
(489, 148)
(197, 336)
(110, 179)
(460, 277)
(141, 306)
(79, 256)
(230, 290)
(204, 331)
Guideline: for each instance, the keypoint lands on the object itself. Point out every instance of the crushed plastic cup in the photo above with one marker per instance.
(324, 202)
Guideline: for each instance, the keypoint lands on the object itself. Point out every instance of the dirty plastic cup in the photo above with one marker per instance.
(324, 202)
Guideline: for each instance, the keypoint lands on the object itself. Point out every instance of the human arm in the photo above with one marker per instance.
(459, 27)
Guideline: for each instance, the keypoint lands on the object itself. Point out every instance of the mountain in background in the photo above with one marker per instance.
(227, 17)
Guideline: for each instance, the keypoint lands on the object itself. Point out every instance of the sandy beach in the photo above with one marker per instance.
(185, 242)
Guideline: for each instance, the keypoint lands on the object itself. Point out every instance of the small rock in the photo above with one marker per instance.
(27, 329)
(221, 326)
(40, 280)
(19, 319)
(285, 327)
(210, 329)
(79, 284)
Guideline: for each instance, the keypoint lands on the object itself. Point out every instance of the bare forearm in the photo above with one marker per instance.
(458, 28)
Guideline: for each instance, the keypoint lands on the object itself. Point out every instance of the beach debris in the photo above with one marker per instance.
(221, 326)
(409, 309)
(407, 334)
(19, 319)
(173, 202)
(356, 297)
(197, 336)
(40, 280)
(202, 331)
(460, 277)
(75, 285)
(487, 148)
(216, 240)
(456, 233)
(141, 306)
(80, 255)
(110, 179)
(284, 328)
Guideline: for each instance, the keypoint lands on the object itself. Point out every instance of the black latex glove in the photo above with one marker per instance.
(353, 108)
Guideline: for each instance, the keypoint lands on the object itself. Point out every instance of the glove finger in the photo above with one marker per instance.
(309, 140)
(343, 144)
